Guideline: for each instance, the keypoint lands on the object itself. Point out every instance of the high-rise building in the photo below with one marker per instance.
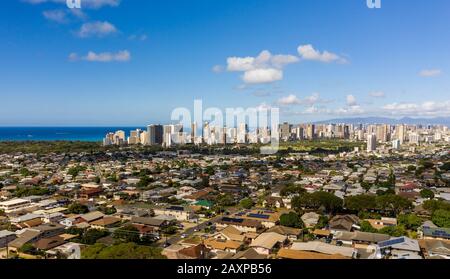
(414, 138)
(310, 131)
(285, 131)
(401, 133)
(371, 142)
(396, 144)
(193, 132)
(242, 133)
(155, 134)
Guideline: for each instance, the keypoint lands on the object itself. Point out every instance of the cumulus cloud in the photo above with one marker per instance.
(262, 76)
(429, 108)
(120, 56)
(307, 52)
(307, 101)
(96, 29)
(430, 73)
(264, 68)
(350, 110)
(377, 94)
(89, 4)
(58, 16)
(351, 100)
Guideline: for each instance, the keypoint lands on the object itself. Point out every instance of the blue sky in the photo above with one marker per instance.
(131, 62)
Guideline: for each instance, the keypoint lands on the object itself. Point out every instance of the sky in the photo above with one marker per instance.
(131, 62)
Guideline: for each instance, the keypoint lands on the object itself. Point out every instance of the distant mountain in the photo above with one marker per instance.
(392, 121)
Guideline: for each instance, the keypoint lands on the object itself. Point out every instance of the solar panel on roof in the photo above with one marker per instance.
(260, 216)
(391, 242)
(179, 208)
(234, 220)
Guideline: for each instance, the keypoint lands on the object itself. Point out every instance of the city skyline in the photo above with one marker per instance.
(115, 63)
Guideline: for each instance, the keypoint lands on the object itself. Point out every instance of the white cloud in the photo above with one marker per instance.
(351, 100)
(240, 64)
(262, 76)
(217, 69)
(377, 94)
(430, 73)
(429, 108)
(90, 4)
(307, 101)
(264, 68)
(307, 52)
(350, 110)
(96, 29)
(58, 16)
(289, 100)
(73, 57)
(120, 56)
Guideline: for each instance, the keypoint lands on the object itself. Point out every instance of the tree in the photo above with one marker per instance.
(121, 251)
(441, 218)
(91, 236)
(27, 248)
(315, 200)
(395, 231)
(291, 219)
(433, 205)
(246, 203)
(291, 189)
(409, 221)
(128, 233)
(225, 200)
(77, 208)
(360, 202)
(393, 203)
(367, 227)
(427, 194)
(75, 170)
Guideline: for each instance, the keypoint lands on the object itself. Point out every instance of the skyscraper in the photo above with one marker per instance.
(310, 131)
(371, 142)
(155, 134)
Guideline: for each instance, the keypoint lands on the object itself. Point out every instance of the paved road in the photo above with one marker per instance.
(189, 232)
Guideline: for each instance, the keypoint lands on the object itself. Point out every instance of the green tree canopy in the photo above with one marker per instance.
(433, 205)
(367, 227)
(441, 218)
(246, 203)
(315, 200)
(395, 231)
(409, 221)
(77, 208)
(427, 194)
(360, 202)
(128, 233)
(291, 219)
(393, 203)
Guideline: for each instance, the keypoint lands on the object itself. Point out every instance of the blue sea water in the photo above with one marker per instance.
(93, 134)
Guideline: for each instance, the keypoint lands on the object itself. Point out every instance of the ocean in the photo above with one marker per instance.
(87, 134)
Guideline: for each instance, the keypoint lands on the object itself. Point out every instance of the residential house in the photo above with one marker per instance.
(266, 242)
(6, 237)
(324, 248)
(310, 219)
